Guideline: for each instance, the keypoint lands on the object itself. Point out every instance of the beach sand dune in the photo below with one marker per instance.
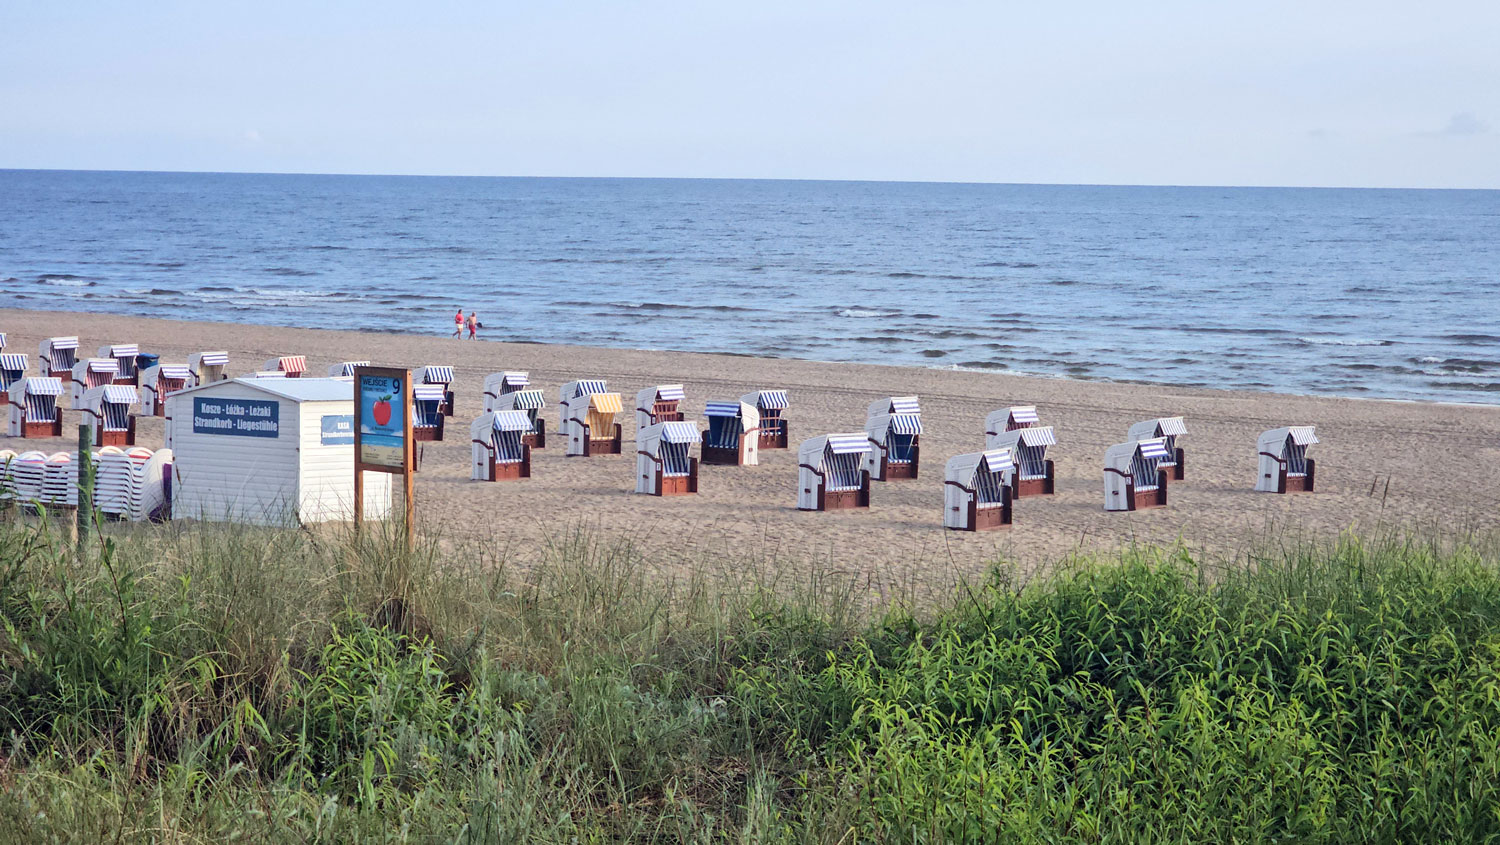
(1380, 464)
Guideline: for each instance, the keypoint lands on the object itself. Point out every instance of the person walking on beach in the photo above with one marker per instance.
(473, 326)
(458, 323)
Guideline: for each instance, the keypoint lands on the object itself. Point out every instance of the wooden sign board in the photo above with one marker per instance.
(382, 433)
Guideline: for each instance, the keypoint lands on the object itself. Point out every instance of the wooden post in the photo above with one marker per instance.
(83, 515)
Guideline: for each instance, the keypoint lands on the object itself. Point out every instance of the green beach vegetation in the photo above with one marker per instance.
(200, 683)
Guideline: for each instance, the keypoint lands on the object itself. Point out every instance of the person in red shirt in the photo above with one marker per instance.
(458, 323)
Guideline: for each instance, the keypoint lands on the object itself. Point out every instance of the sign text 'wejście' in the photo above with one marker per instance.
(237, 417)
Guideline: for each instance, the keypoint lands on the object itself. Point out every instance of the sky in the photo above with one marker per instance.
(1364, 94)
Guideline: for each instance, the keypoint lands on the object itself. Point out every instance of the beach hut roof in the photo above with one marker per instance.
(846, 444)
(295, 389)
(41, 386)
(722, 409)
(1041, 436)
(437, 374)
(771, 400)
(528, 400)
(606, 403)
(679, 432)
(119, 394)
(510, 421)
(13, 361)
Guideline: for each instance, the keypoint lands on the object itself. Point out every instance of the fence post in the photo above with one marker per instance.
(83, 515)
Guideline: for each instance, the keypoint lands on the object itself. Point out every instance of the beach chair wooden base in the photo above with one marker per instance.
(128, 381)
(890, 471)
(31, 429)
(514, 470)
(1179, 469)
(678, 485)
(104, 438)
(774, 434)
(988, 519)
(600, 446)
(536, 439)
(65, 375)
(1045, 486)
(1298, 483)
(843, 500)
(428, 434)
(1142, 499)
(446, 408)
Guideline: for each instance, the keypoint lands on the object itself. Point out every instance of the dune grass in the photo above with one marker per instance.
(201, 683)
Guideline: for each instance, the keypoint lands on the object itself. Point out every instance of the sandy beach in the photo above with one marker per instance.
(1380, 464)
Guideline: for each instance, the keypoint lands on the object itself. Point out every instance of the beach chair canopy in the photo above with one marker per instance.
(120, 350)
(437, 374)
(288, 363)
(1024, 415)
(214, 359)
(672, 442)
(514, 380)
(14, 362)
(1139, 459)
(61, 343)
(670, 393)
(767, 400)
(588, 387)
(176, 372)
(843, 461)
(500, 432)
(983, 474)
(39, 397)
(118, 394)
(103, 365)
(606, 403)
(510, 421)
(679, 432)
(527, 400)
(346, 369)
(40, 386)
(722, 409)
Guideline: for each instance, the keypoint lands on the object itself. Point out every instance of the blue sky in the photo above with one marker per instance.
(1273, 93)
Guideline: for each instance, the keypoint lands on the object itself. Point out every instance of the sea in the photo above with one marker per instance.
(1372, 293)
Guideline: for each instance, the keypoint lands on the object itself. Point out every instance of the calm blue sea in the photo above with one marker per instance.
(1381, 293)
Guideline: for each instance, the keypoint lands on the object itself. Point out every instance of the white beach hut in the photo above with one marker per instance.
(664, 464)
(770, 405)
(1133, 478)
(33, 407)
(268, 452)
(291, 366)
(208, 367)
(733, 435)
(12, 369)
(159, 381)
(57, 355)
(90, 373)
(498, 443)
(894, 428)
(531, 403)
(106, 411)
(1035, 473)
(440, 374)
(124, 355)
(499, 384)
(592, 429)
(1010, 419)
(570, 394)
(977, 491)
(831, 474)
(345, 369)
(1168, 428)
(1284, 464)
(658, 404)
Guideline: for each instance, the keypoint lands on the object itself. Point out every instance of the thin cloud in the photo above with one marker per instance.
(1464, 123)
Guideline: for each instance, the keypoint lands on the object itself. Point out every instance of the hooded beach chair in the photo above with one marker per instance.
(531, 403)
(345, 369)
(440, 374)
(497, 440)
(208, 367)
(664, 464)
(831, 472)
(894, 428)
(57, 355)
(499, 384)
(106, 411)
(291, 366)
(90, 373)
(1133, 476)
(1035, 474)
(124, 355)
(427, 413)
(1168, 428)
(592, 429)
(977, 491)
(658, 404)
(769, 405)
(569, 394)
(733, 435)
(12, 369)
(1010, 419)
(159, 381)
(1284, 464)
(33, 407)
